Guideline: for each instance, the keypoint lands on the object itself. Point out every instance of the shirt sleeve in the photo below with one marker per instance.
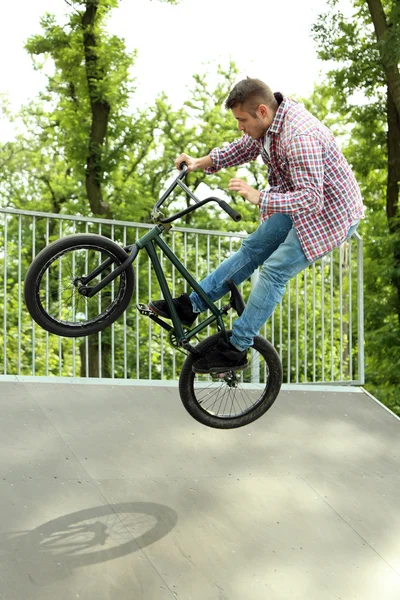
(238, 152)
(306, 158)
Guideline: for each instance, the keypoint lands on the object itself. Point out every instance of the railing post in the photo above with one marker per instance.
(360, 307)
(255, 357)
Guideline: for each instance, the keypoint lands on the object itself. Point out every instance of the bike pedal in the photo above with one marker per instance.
(144, 309)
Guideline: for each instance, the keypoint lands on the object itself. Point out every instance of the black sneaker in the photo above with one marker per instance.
(223, 357)
(183, 307)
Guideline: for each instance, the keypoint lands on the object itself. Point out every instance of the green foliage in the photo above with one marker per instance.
(354, 97)
(48, 161)
(351, 44)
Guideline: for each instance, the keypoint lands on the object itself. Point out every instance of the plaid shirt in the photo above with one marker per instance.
(309, 178)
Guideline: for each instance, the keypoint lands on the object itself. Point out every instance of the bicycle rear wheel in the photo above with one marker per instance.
(51, 287)
(234, 398)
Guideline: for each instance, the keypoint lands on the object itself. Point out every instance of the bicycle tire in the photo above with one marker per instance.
(39, 298)
(200, 396)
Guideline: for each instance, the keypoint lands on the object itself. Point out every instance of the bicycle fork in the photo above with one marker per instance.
(89, 291)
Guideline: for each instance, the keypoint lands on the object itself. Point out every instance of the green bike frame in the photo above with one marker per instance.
(149, 242)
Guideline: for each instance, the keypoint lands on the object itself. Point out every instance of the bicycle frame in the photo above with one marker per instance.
(149, 242)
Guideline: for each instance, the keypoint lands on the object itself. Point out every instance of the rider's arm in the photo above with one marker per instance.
(238, 152)
(306, 161)
(205, 162)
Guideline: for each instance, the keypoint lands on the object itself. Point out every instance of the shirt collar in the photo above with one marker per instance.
(277, 123)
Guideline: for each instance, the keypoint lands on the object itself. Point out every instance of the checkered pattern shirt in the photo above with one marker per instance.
(309, 178)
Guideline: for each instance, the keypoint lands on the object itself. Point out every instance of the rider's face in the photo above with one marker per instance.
(254, 124)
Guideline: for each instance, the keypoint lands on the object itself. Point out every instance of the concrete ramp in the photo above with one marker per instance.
(113, 492)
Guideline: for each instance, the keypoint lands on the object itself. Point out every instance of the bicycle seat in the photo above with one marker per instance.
(236, 299)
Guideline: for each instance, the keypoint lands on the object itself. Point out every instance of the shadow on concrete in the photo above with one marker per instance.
(94, 535)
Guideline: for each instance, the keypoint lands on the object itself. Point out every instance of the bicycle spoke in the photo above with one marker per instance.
(59, 291)
(228, 395)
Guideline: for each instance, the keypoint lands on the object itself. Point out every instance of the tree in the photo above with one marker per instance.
(80, 150)
(364, 87)
(81, 147)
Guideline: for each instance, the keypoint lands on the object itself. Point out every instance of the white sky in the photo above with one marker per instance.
(269, 40)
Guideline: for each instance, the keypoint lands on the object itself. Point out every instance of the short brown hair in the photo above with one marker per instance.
(251, 93)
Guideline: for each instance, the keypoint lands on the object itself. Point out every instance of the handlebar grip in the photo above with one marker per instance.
(231, 212)
(182, 166)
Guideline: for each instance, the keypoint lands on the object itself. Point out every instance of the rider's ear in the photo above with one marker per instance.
(263, 110)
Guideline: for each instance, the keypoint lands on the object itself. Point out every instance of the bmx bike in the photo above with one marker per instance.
(80, 284)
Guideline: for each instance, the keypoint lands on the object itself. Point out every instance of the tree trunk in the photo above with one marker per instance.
(100, 113)
(387, 57)
(93, 362)
(392, 190)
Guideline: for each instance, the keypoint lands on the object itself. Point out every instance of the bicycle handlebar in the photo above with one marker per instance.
(228, 209)
(178, 181)
(173, 185)
(231, 211)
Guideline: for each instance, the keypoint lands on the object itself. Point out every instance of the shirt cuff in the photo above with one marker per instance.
(214, 155)
(263, 205)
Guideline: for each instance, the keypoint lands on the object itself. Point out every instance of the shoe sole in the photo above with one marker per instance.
(219, 369)
(165, 315)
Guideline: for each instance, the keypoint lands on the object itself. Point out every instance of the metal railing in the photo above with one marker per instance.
(317, 329)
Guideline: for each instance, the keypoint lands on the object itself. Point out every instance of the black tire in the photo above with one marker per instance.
(215, 402)
(53, 300)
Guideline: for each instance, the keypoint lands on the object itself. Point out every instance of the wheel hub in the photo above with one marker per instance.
(231, 378)
(83, 289)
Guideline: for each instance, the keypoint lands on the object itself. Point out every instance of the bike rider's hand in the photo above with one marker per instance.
(245, 190)
(186, 159)
(193, 163)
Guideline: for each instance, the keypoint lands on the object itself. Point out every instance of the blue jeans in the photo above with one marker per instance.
(276, 247)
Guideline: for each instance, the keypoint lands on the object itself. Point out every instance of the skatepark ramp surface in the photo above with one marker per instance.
(113, 492)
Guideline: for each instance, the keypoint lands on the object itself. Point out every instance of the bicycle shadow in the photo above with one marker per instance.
(51, 551)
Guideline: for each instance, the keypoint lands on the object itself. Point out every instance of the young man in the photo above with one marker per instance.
(311, 205)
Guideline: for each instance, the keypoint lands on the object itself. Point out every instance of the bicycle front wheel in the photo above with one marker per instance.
(51, 287)
(235, 398)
